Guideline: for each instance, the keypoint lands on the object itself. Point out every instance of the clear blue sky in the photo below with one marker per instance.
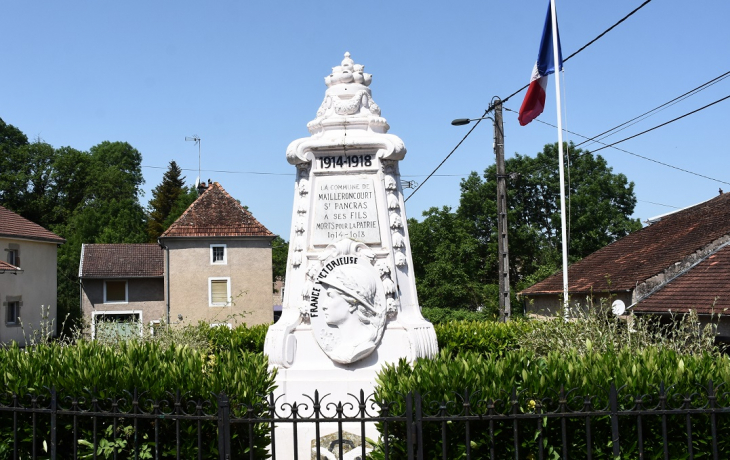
(248, 76)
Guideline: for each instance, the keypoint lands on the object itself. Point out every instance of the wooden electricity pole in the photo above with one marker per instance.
(505, 310)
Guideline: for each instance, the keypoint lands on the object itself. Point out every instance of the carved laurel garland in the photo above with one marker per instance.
(397, 236)
(302, 208)
(350, 106)
(394, 214)
(391, 294)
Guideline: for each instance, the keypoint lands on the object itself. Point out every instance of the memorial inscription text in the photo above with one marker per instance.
(345, 208)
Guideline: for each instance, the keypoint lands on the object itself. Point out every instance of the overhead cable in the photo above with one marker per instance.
(491, 106)
(226, 172)
(692, 92)
(447, 156)
(632, 153)
(663, 124)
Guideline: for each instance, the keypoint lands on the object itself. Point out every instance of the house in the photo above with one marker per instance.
(218, 262)
(122, 283)
(28, 275)
(212, 264)
(680, 261)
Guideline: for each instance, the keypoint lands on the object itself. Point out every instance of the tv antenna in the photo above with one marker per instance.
(195, 138)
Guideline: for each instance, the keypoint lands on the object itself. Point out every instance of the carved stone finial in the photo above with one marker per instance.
(348, 96)
(349, 73)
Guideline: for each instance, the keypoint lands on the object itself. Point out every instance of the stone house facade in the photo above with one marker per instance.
(212, 264)
(28, 275)
(121, 283)
(680, 261)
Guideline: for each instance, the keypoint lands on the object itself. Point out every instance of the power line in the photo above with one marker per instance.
(435, 175)
(491, 106)
(608, 30)
(587, 44)
(447, 156)
(677, 99)
(660, 204)
(291, 174)
(636, 154)
(594, 138)
(663, 124)
(226, 172)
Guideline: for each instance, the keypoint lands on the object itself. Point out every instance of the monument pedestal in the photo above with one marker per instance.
(334, 383)
(350, 303)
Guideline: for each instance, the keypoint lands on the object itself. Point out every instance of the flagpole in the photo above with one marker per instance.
(556, 61)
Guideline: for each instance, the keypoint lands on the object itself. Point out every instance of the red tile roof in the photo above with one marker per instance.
(14, 226)
(704, 288)
(121, 261)
(646, 252)
(216, 213)
(6, 267)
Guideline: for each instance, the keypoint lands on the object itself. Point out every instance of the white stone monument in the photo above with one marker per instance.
(350, 302)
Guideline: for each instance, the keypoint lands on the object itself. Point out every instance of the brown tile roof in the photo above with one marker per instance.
(6, 267)
(14, 226)
(705, 288)
(121, 261)
(646, 252)
(216, 213)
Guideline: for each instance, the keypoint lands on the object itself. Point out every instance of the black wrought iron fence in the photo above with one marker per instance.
(566, 424)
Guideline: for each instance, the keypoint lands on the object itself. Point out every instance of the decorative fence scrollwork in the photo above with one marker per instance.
(100, 423)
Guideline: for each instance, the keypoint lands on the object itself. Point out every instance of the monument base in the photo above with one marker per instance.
(334, 383)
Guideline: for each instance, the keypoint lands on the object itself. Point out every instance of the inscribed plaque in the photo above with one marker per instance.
(345, 208)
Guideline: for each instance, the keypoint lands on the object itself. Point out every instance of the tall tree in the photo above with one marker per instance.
(279, 254)
(600, 204)
(164, 197)
(108, 212)
(12, 165)
(84, 197)
(188, 195)
(11, 137)
(449, 262)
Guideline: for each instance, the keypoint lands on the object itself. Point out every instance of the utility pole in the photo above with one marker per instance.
(505, 310)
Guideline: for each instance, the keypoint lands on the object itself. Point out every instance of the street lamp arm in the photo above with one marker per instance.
(504, 288)
(466, 121)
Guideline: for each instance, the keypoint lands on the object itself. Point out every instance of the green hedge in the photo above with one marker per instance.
(481, 337)
(107, 372)
(449, 379)
(444, 315)
(243, 337)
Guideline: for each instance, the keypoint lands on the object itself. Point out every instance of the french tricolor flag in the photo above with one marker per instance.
(534, 102)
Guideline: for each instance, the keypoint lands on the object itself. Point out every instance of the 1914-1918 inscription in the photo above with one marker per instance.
(345, 208)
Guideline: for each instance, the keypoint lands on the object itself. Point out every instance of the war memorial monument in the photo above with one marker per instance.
(350, 302)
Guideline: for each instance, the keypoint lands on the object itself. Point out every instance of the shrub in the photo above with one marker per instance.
(438, 315)
(447, 383)
(201, 336)
(602, 331)
(484, 337)
(93, 370)
(243, 337)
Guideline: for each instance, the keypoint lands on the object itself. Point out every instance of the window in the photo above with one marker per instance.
(13, 316)
(218, 254)
(13, 257)
(115, 291)
(219, 292)
(154, 326)
(116, 325)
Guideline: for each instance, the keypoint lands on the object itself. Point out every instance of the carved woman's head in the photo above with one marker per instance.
(351, 295)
